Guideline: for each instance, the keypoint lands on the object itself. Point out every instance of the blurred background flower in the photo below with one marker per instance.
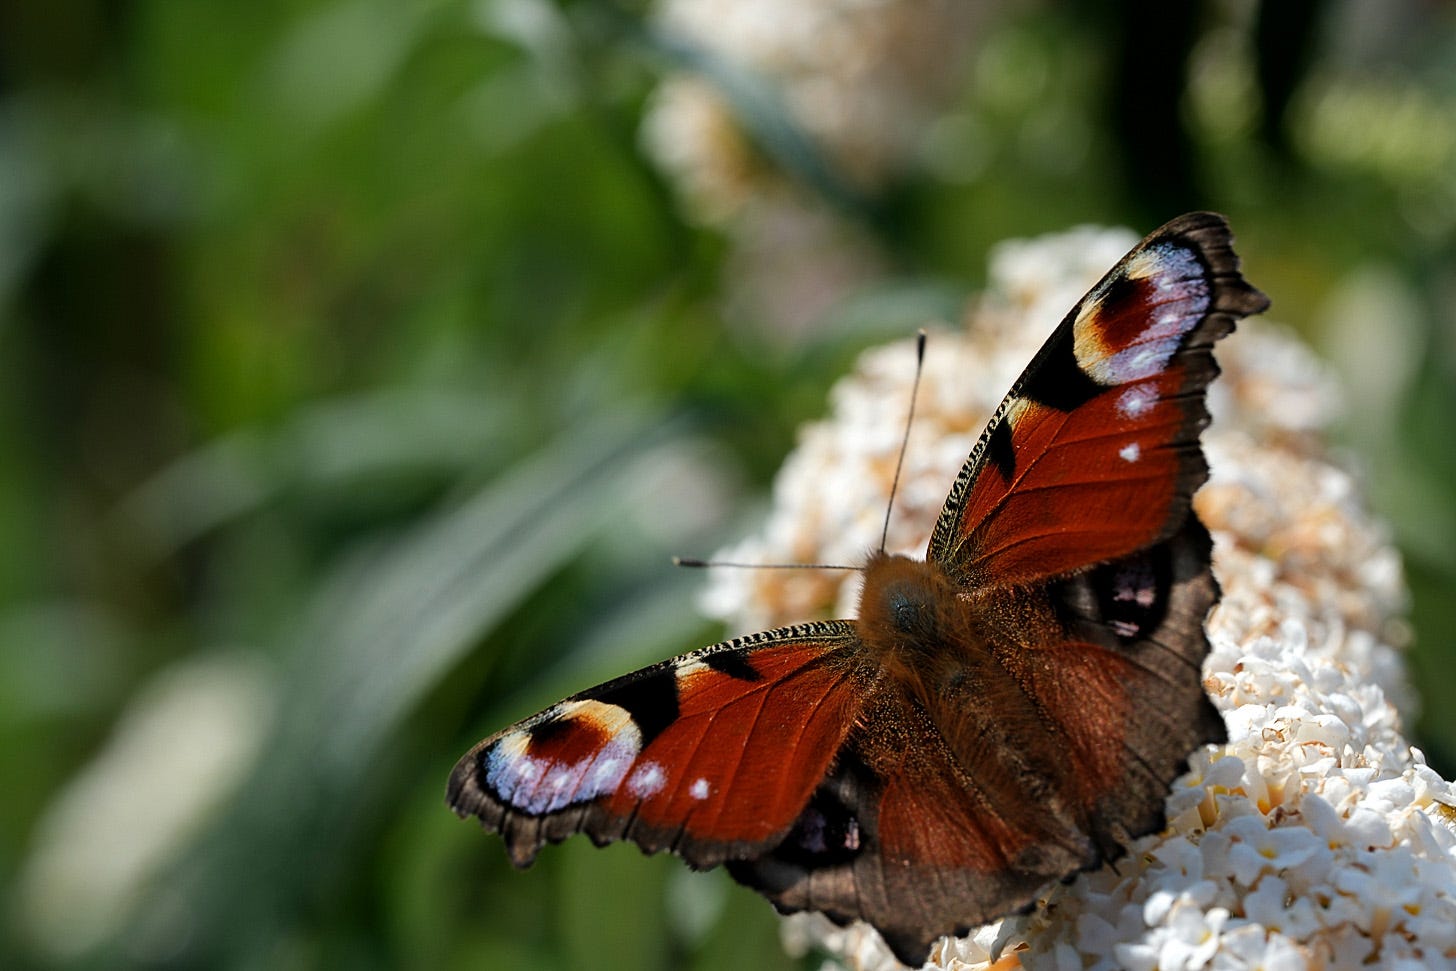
(366, 361)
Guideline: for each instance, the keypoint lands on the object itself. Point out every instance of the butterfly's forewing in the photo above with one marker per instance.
(1094, 453)
(711, 755)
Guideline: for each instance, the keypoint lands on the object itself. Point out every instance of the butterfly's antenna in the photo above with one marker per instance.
(691, 562)
(905, 441)
(894, 485)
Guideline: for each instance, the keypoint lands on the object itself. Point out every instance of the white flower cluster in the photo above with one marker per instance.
(1317, 837)
(863, 79)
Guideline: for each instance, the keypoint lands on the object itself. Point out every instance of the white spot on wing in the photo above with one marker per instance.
(1136, 400)
(646, 780)
(699, 789)
(1142, 361)
(1130, 453)
(608, 769)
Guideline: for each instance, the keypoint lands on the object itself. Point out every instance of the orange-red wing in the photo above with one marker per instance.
(916, 839)
(957, 800)
(711, 755)
(1094, 453)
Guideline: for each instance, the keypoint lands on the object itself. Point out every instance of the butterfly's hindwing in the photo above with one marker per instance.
(941, 841)
(1132, 658)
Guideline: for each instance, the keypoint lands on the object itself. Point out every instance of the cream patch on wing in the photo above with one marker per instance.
(1018, 410)
(688, 667)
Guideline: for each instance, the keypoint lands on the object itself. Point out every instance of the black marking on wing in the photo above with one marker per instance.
(1132, 594)
(827, 832)
(544, 731)
(1127, 597)
(733, 663)
(1001, 450)
(1055, 379)
(651, 700)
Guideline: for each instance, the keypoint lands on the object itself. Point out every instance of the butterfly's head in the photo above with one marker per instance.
(902, 603)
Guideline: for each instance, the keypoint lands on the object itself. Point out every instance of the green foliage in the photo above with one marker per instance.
(362, 373)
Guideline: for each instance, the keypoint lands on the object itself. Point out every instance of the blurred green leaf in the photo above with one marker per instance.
(381, 631)
(356, 446)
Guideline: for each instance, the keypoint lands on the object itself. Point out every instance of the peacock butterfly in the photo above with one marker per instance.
(1005, 713)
